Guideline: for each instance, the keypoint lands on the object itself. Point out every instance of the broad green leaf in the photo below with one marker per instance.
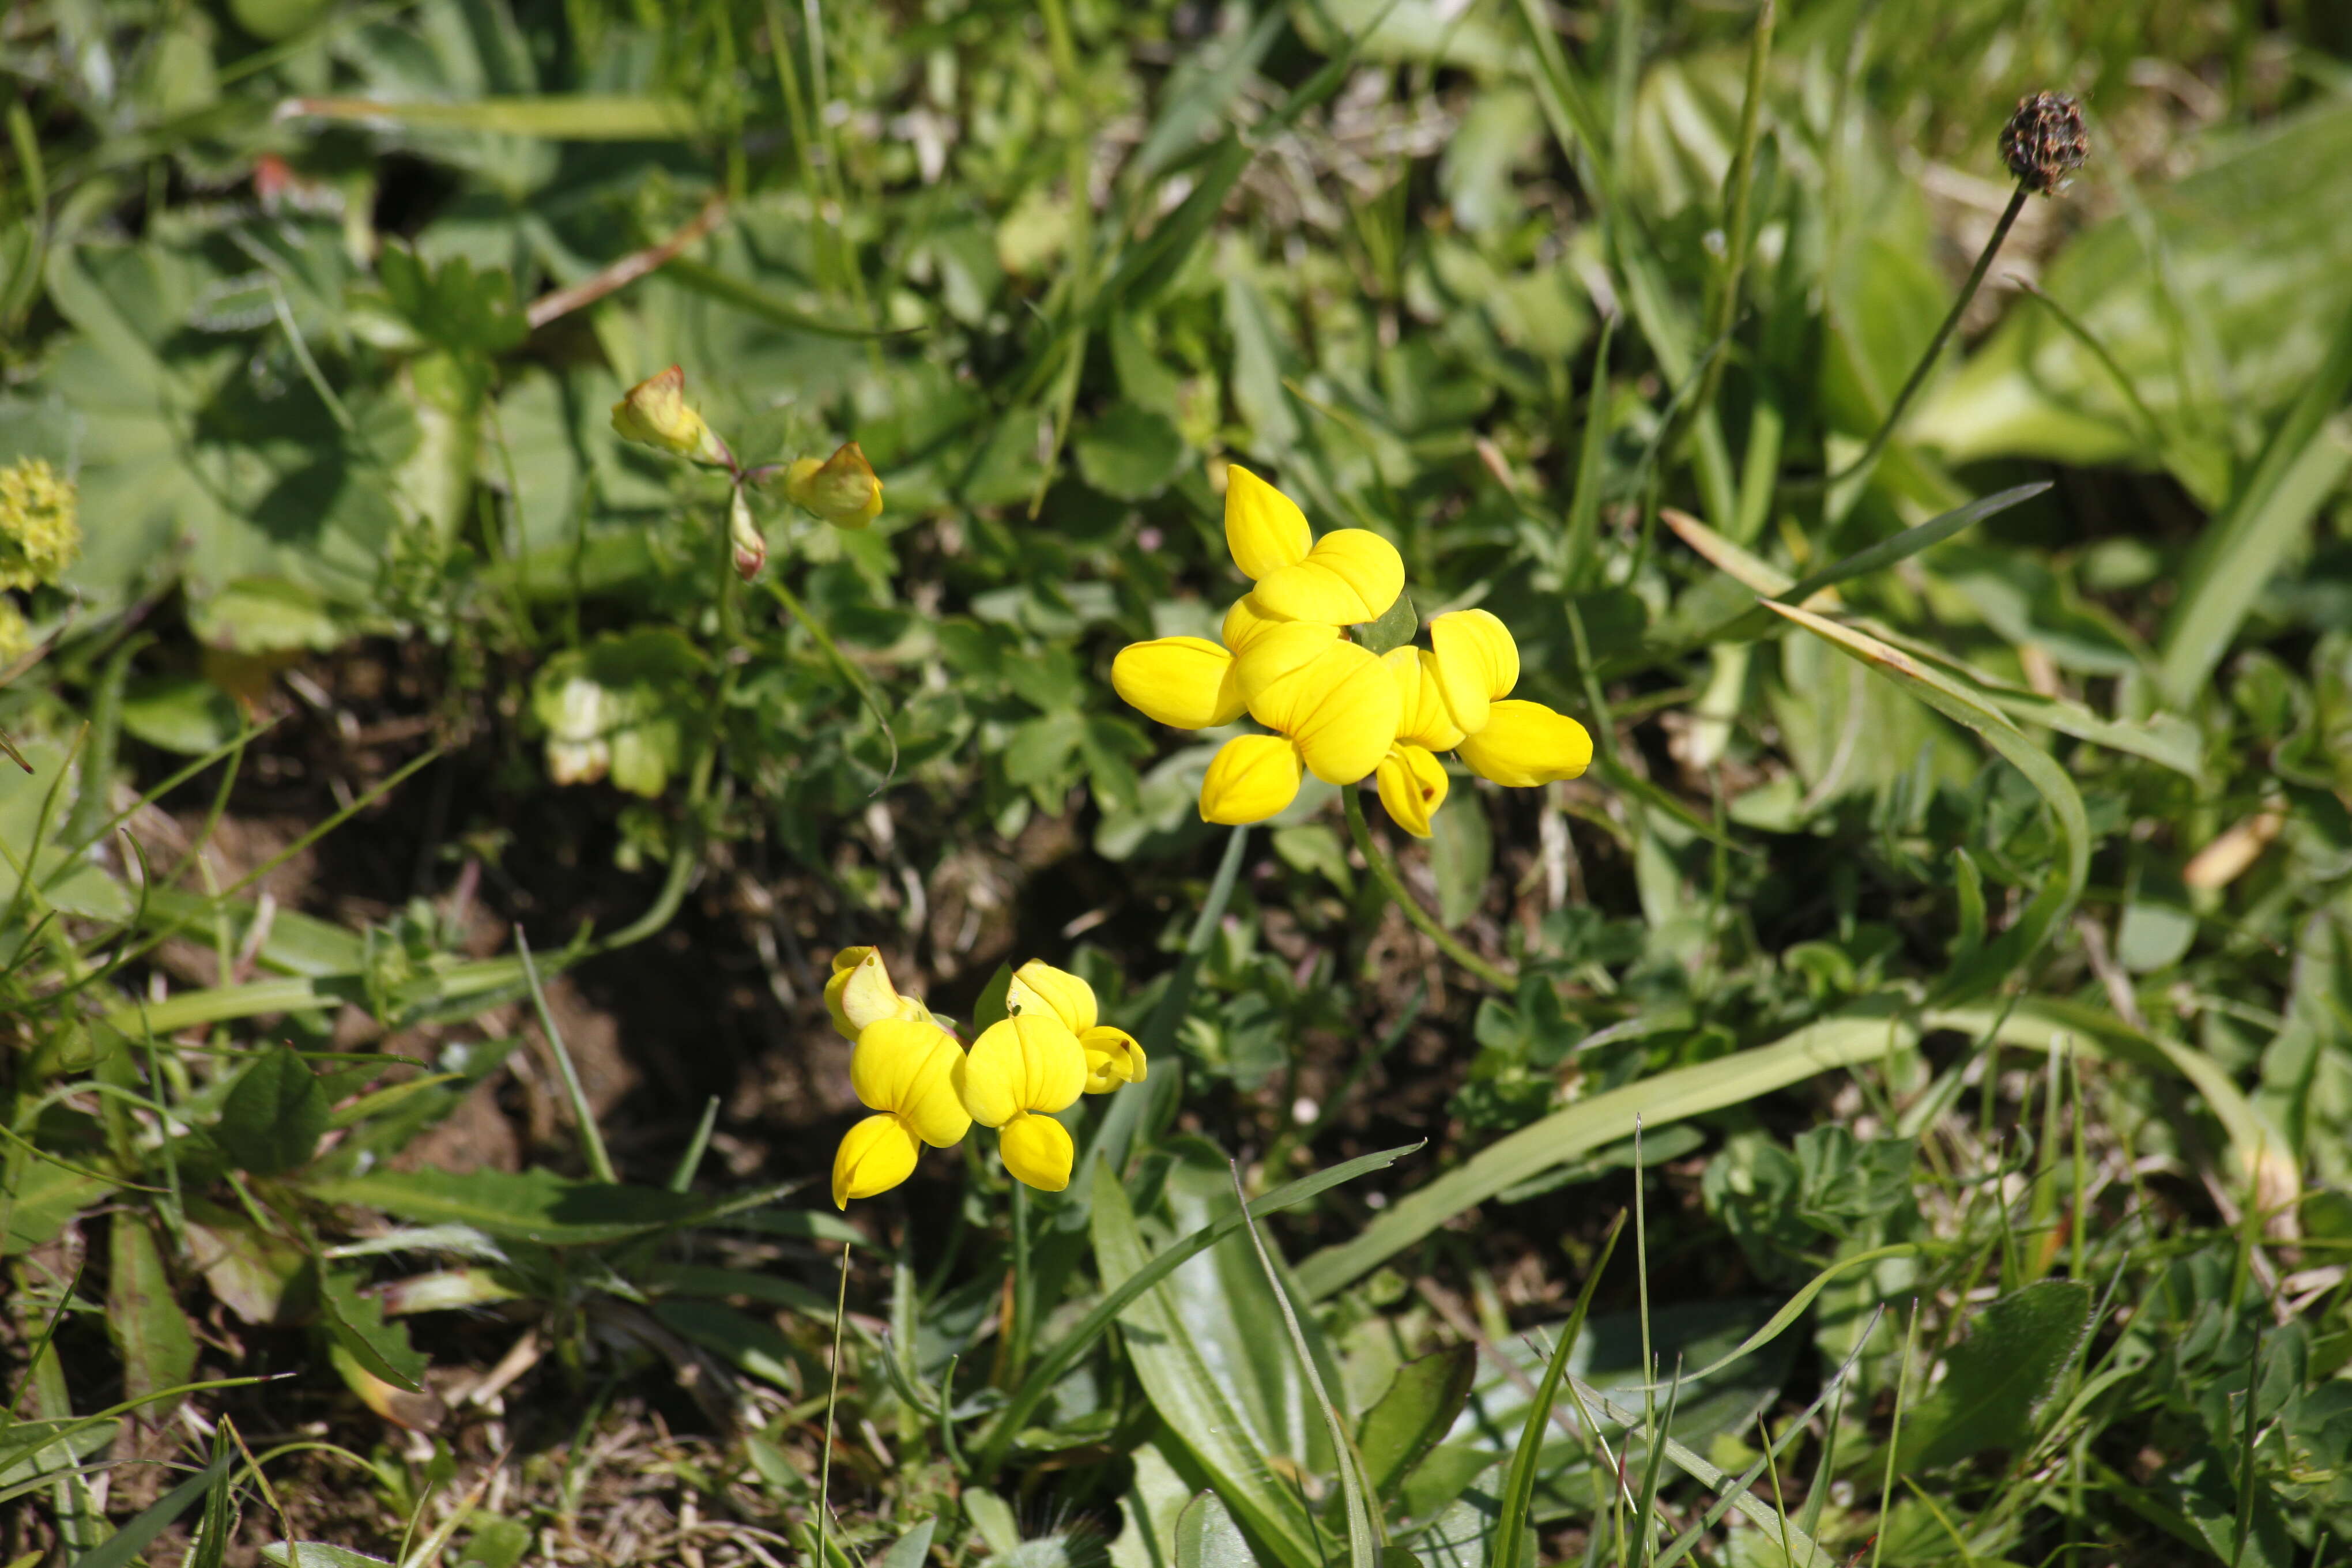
(182, 713)
(275, 1115)
(1603, 1119)
(1418, 1408)
(990, 1006)
(1998, 1379)
(47, 1196)
(1397, 625)
(910, 1549)
(1207, 1536)
(151, 1333)
(249, 1272)
(1232, 1445)
(356, 1320)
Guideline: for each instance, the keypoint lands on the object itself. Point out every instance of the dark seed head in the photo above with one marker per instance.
(2043, 141)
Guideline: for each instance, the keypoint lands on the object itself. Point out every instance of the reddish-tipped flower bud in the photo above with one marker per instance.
(751, 548)
(2044, 142)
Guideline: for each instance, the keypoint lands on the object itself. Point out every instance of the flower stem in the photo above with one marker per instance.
(1943, 335)
(832, 1398)
(1385, 869)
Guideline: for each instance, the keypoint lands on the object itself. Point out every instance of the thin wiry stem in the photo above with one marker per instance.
(1385, 870)
(1935, 350)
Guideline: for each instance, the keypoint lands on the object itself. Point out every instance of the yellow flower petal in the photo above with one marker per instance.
(1421, 718)
(859, 992)
(1350, 576)
(1526, 744)
(1264, 528)
(653, 414)
(1030, 1062)
(841, 489)
(1113, 1057)
(1250, 779)
(1341, 711)
(1477, 663)
(1244, 624)
(1412, 786)
(1283, 648)
(876, 1155)
(1038, 986)
(1037, 1150)
(1187, 683)
(909, 1069)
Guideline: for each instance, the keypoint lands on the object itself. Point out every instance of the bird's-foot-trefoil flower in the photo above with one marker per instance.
(907, 1072)
(654, 414)
(1113, 1056)
(41, 526)
(859, 994)
(1288, 661)
(1021, 1070)
(843, 489)
(1452, 697)
(1285, 661)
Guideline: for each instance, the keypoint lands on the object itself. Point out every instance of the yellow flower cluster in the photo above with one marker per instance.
(924, 1086)
(1335, 709)
(40, 530)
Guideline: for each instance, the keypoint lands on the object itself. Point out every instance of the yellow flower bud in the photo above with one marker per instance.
(750, 546)
(859, 993)
(1186, 683)
(1526, 744)
(40, 529)
(1412, 786)
(841, 489)
(654, 414)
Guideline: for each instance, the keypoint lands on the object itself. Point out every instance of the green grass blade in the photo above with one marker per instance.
(1607, 1117)
(2239, 550)
(1519, 1480)
(1363, 1540)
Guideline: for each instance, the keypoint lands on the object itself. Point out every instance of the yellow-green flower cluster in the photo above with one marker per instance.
(924, 1086)
(41, 532)
(1335, 709)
